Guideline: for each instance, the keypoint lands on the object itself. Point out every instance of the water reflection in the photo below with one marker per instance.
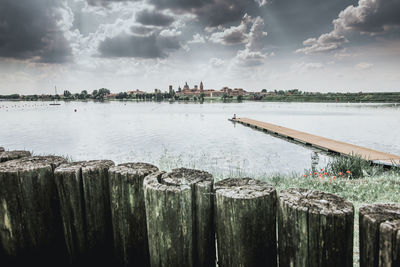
(195, 135)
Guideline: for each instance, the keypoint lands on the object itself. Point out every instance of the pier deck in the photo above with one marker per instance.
(323, 143)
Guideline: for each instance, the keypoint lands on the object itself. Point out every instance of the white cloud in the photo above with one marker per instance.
(216, 62)
(170, 33)
(368, 17)
(261, 2)
(252, 54)
(325, 43)
(197, 39)
(233, 35)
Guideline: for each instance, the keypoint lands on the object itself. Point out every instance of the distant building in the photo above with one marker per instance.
(135, 92)
(186, 87)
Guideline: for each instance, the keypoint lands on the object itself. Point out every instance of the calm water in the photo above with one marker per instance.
(194, 135)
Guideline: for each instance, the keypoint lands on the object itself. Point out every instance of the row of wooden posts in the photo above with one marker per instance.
(93, 212)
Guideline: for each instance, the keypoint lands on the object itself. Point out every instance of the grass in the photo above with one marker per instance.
(364, 184)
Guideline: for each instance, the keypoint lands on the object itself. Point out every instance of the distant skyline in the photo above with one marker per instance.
(312, 45)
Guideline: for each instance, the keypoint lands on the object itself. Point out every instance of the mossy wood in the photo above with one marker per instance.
(128, 213)
(30, 225)
(179, 211)
(314, 229)
(379, 235)
(10, 155)
(85, 210)
(245, 222)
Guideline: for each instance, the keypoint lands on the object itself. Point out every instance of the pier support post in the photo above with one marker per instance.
(10, 155)
(179, 211)
(245, 222)
(128, 213)
(379, 235)
(30, 225)
(83, 190)
(1, 149)
(314, 229)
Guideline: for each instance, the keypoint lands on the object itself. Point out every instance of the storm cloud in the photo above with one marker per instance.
(28, 30)
(155, 18)
(211, 12)
(153, 46)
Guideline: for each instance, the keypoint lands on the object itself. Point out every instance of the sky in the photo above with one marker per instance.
(311, 45)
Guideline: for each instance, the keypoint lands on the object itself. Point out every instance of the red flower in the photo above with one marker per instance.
(325, 173)
(347, 171)
(322, 170)
(315, 173)
(340, 173)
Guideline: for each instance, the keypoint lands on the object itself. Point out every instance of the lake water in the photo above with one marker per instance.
(194, 135)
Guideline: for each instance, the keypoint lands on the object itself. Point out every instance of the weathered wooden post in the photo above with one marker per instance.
(83, 190)
(314, 229)
(30, 225)
(1, 149)
(179, 211)
(379, 235)
(128, 213)
(10, 155)
(245, 222)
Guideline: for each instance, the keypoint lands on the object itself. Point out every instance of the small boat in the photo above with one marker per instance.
(54, 103)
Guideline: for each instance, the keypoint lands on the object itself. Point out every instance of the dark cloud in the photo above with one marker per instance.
(142, 30)
(155, 18)
(28, 29)
(153, 46)
(211, 12)
(105, 2)
(180, 4)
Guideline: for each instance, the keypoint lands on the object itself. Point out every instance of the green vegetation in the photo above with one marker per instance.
(296, 95)
(293, 95)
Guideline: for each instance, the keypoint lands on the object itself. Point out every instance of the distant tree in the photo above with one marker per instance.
(202, 95)
(67, 93)
(94, 93)
(122, 95)
(239, 98)
(263, 90)
(158, 96)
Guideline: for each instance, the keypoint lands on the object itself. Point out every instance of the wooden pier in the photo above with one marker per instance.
(323, 143)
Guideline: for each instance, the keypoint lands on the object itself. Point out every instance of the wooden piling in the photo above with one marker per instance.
(83, 190)
(1, 149)
(10, 155)
(245, 222)
(179, 211)
(128, 213)
(379, 235)
(314, 229)
(30, 225)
